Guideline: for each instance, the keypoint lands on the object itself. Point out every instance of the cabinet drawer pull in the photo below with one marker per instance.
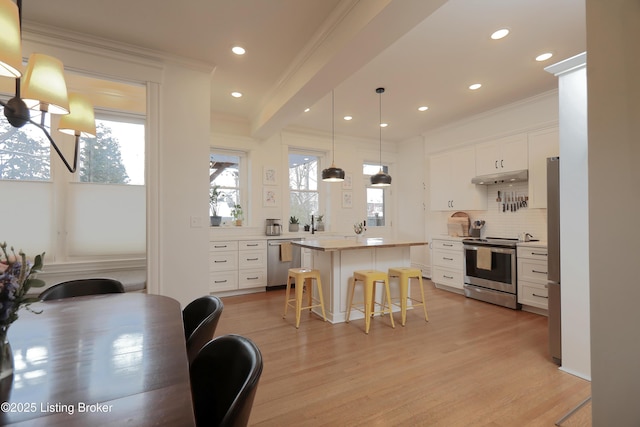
(252, 278)
(448, 259)
(252, 244)
(252, 259)
(447, 277)
(216, 261)
(220, 281)
(540, 296)
(502, 163)
(447, 244)
(538, 254)
(539, 272)
(496, 164)
(221, 246)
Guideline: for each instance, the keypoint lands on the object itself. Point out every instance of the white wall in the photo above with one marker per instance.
(613, 67)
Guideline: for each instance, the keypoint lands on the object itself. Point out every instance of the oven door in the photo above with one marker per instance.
(501, 277)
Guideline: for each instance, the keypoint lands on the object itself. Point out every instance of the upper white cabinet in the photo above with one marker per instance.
(450, 177)
(542, 144)
(503, 155)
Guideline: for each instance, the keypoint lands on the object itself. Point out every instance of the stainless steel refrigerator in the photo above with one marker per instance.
(553, 258)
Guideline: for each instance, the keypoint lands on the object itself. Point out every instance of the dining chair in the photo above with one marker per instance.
(224, 380)
(200, 318)
(81, 287)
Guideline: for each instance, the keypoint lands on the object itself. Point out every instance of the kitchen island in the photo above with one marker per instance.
(338, 259)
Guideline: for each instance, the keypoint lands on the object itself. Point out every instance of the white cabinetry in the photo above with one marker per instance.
(450, 176)
(448, 263)
(532, 276)
(236, 265)
(223, 266)
(542, 144)
(506, 154)
(252, 264)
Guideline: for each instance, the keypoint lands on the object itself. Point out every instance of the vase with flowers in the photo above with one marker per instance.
(359, 228)
(17, 276)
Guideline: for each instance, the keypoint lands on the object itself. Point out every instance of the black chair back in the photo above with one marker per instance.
(200, 318)
(224, 380)
(82, 287)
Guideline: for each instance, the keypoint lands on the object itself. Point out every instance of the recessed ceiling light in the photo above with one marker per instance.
(544, 56)
(475, 86)
(238, 50)
(497, 35)
(306, 110)
(236, 94)
(423, 108)
(347, 118)
(384, 125)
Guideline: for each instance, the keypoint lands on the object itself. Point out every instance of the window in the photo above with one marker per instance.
(226, 172)
(116, 154)
(375, 197)
(303, 186)
(25, 152)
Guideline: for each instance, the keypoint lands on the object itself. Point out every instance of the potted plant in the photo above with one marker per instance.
(319, 223)
(294, 224)
(214, 194)
(236, 213)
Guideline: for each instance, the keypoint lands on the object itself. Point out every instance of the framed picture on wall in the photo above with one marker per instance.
(269, 176)
(347, 184)
(269, 197)
(347, 199)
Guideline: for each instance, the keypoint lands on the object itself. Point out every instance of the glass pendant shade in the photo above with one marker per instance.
(333, 174)
(81, 119)
(381, 179)
(10, 42)
(43, 85)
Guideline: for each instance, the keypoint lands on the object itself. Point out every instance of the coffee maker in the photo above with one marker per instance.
(273, 227)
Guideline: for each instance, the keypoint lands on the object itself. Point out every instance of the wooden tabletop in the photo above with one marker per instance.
(117, 359)
(347, 244)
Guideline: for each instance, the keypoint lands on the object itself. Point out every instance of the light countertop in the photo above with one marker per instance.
(342, 244)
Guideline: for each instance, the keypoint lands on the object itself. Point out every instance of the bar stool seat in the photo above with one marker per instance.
(404, 274)
(369, 278)
(303, 277)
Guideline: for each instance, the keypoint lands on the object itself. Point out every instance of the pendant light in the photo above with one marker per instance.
(333, 174)
(380, 179)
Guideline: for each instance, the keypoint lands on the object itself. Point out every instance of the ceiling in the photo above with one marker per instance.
(422, 52)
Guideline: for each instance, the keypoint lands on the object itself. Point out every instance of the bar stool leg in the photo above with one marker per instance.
(299, 290)
(368, 296)
(386, 287)
(424, 301)
(404, 294)
(352, 283)
(319, 285)
(286, 299)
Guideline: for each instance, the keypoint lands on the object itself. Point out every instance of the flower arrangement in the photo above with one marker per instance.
(17, 276)
(359, 227)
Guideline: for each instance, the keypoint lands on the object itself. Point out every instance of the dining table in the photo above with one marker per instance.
(110, 359)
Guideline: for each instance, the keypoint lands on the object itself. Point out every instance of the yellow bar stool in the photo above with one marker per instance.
(404, 274)
(303, 277)
(369, 279)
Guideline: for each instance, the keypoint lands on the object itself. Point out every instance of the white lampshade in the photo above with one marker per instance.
(81, 118)
(43, 86)
(10, 42)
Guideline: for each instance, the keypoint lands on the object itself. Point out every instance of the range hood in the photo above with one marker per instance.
(501, 177)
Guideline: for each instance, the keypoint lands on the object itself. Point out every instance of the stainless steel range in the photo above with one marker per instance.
(490, 270)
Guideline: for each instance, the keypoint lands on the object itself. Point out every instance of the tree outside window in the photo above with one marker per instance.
(224, 173)
(25, 153)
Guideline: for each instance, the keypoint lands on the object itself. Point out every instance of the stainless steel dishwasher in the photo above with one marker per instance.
(277, 270)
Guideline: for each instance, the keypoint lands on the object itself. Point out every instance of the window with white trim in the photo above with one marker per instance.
(376, 196)
(304, 193)
(228, 174)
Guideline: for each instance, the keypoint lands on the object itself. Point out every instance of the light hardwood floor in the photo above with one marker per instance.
(472, 364)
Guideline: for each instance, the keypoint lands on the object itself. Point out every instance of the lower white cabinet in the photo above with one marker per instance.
(235, 265)
(447, 263)
(532, 276)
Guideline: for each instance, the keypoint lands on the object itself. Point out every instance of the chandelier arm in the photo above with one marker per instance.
(55, 147)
